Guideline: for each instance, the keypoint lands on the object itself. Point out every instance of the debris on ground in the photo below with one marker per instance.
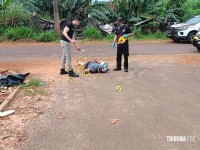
(60, 117)
(12, 79)
(42, 83)
(70, 79)
(98, 76)
(114, 121)
(7, 113)
(88, 75)
(3, 71)
(5, 136)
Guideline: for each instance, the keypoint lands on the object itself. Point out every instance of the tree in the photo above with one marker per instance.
(56, 18)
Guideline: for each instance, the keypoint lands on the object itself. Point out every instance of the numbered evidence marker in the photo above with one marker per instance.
(118, 88)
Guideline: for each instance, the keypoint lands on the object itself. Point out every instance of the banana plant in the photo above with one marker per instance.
(5, 4)
(101, 11)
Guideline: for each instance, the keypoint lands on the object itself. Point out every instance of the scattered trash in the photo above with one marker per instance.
(7, 113)
(82, 68)
(114, 121)
(88, 75)
(118, 88)
(23, 137)
(98, 76)
(12, 79)
(42, 83)
(3, 71)
(70, 79)
(5, 136)
(78, 58)
(60, 117)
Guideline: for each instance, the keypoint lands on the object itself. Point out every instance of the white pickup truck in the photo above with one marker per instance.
(184, 31)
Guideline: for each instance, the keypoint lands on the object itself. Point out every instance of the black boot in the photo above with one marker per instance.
(117, 69)
(72, 74)
(125, 70)
(62, 71)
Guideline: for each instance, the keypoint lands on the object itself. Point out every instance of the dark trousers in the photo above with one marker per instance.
(125, 51)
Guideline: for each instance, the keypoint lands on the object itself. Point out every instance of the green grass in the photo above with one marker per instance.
(19, 33)
(33, 87)
(28, 34)
(139, 35)
(47, 36)
(152, 36)
(92, 33)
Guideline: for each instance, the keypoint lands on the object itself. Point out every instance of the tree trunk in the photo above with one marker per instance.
(56, 18)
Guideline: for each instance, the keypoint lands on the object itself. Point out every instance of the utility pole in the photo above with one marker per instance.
(56, 18)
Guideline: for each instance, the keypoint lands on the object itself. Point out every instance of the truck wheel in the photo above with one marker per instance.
(190, 37)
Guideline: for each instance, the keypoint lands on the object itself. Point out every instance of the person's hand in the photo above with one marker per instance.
(72, 41)
(86, 70)
(78, 49)
(113, 44)
(126, 36)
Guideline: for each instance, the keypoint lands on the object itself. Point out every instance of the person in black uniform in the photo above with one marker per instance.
(122, 32)
(67, 37)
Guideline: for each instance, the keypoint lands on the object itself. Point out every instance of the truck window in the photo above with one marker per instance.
(193, 20)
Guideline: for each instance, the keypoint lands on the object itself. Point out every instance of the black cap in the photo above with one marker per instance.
(119, 20)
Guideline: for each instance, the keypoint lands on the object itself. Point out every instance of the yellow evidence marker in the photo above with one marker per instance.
(118, 88)
(70, 79)
(98, 76)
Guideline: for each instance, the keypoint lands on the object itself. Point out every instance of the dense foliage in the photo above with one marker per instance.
(16, 13)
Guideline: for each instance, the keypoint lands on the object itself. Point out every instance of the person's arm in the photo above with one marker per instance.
(65, 31)
(115, 40)
(77, 47)
(130, 33)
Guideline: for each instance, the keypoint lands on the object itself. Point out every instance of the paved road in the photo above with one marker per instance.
(41, 51)
(158, 99)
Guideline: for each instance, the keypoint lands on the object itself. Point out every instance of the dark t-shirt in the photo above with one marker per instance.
(70, 32)
(120, 31)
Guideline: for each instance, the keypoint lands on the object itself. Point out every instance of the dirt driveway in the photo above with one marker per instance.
(159, 99)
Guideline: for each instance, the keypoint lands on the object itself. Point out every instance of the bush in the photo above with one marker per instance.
(47, 36)
(19, 33)
(139, 35)
(109, 37)
(92, 33)
(2, 30)
(2, 17)
(15, 15)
